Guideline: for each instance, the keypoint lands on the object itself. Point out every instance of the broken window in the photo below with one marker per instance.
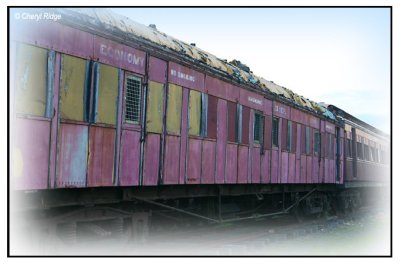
(133, 87)
(275, 132)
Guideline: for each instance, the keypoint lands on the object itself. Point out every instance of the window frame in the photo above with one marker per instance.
(126, 122)
(275, 135)
(260, 128)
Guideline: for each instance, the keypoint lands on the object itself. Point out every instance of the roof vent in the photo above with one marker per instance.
(193, 44)
(153, 26)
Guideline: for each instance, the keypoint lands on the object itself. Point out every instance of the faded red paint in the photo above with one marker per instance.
(101, 156)
(292, 168)
(31, 154)
(54, 36)
(231, 122)
(252, 100)
(298, 154)
(281, 110)
(303, 169)
(184, 133)
(274, 166)
(243, 158)
(194, 161)
(250, 164)
(315, 169)
(245, 124)
(118, 55)
(221, 89)
(321, 171)
(171, 165)
(129, 159)
(185, 77)
(284, 167)
(72, 156)
(309, 169)
(212, 117)
(329, 127)
(327, 171)
(314, 122)
(208, 162)
(333, 171)
(231, 163)
(221, 141)
(265, 167)
(151, 159)
(119, 135)
(256, 166)
(157, 70)
(267, 132)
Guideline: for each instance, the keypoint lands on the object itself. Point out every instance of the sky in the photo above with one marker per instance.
(339, 56)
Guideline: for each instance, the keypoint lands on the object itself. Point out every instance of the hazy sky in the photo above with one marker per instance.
(340, 56)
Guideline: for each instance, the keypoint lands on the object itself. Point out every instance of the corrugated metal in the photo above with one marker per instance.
(101, 156)
(157, 70)
(274, 166)
(256, 166)
(30, 80)
(174, 108)
(171, 165)
(151, 159)
(231, 162)
(155, 106)
(194, 161)
(284, 167)
(242, 164)
(30, 160)
(221, 141)
(182, 163)
(245, 125)
(265, 167)
(107, 95)
(212, 117)
(72, 88)
(231, 122)
(72, 156)
(208, 162)
(194, 113)
(129, 159)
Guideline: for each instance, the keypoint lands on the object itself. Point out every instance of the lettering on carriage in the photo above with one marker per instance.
(280, 109)
(119, 54)
(183, 76)
(329, 128)
(255, 100)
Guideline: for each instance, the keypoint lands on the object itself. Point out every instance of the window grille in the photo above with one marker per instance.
(275, 131)
(132, 99)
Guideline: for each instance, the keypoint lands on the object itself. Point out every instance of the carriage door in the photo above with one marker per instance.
(337, 154)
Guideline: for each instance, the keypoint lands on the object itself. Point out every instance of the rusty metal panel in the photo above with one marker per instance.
(245, 125)
(231, 163)
(243, 158)
(267, 132)
(284, 167)
(194, 112)
(221, 141)
(309, 169)
(30, 159)
(185, 77)
(118, 55)
(221, 89)
(157, 70)
(155, 106)
(315, 169)
(265, 167)
(212, 117)
(208, 162)
(151, 159)
(256, 164)
(107, 95)
(231, 122)
(292, 168)
(171, 165)
(30, 80)
(252, 100)
(174, 108)
(194, 161)
(56, 36)
(101, 156)
(281, 110)
(183, 148)
(72, 156)
(129, 159)
(274, 166)
(72, 88)
(303, 169)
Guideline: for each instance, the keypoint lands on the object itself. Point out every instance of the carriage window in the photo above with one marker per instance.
(30, 80)
(360, 151)
(308, 140)
(348, 148)
(239, 123)
(258, 127)
(245, 124)
(275, 131)
(155, 107)
(289, 136)
(106, 94)
(174, 109)
(317, 143)
(367, 152)
(132, 99)
(194, 113)
(232, 123)
(212, 103)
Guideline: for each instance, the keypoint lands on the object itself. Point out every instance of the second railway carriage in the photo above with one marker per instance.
(107, 110)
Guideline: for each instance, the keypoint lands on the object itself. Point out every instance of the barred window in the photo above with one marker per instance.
(258, 127)
(275, 131)
(132, 99)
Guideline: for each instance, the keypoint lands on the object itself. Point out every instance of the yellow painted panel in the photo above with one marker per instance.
(30, 80)
(107, 97)
(194, 112)
(174, 108)
(72, 88)
(155, 106)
